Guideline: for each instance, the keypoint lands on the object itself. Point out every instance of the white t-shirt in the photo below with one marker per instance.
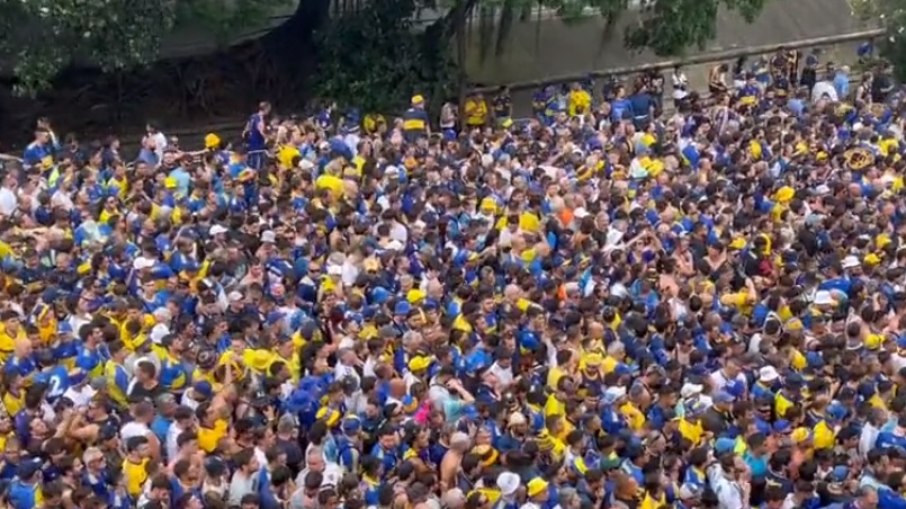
(134, 429)
(8, 201)
(80, 398)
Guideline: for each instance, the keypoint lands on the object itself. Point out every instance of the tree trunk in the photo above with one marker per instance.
(462, 8)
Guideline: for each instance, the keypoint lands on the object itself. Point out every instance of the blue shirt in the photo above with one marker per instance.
(22, 496)
(57, 380)
(35, 153)
(183, 180)
(22, 367)
(256, 140)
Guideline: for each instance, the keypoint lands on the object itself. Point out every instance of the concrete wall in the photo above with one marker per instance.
(555, 48)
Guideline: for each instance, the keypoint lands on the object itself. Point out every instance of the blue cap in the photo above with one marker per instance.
(867, 389)
(722, 445)
(380, 295)
(64, 327)
(794, 379)
(28, 468)
(724, 397)
(901, 341)
(622, 369)
(840, 473)
(735, 388)
(402, 308)
(351, 425)
(274, 317)
(836, 411)
(204, 388)
(814, 360)
(782, 426)
(430, 305)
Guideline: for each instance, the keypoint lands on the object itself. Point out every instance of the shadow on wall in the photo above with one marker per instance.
(548, 48)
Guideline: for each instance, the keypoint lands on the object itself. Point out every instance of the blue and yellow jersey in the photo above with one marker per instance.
(91, 361)
(117, 382)
(173, 373)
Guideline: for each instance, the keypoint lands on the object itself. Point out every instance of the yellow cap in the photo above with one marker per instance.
(170, 183)
(419, 363)
(872, 259)
(536, 487)
(488, 205)
(529, 255)
(737, 243)
(882, 240)
(873, 341)
(785, 194)
(417, 99)
(415, 295)
(258, 360)
(211, 140)
(800, 435)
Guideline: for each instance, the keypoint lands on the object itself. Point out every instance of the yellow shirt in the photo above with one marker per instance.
(14, 404)
(823, 436)
(634, 416)
(8, 342)
(554, 406)
(579, 102)
(208, 437)
(476, 112)
(135, 475)
(554, 376)
(608, 364)
(691, 431)
(781, 405)
(335, 184)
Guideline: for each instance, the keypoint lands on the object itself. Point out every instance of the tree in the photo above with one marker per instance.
(372, 58)
(41, 37)
(892, 15)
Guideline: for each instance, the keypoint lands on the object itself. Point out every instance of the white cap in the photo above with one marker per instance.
(824, 297)
(234, 296)
(395, 245)
(334, 270)
(508, 482)
(142, 263)
(217, 230)
(580, 213)
(768, 374)
(158, 332)
(614, 393)
(268, 237)
(690, 390)
(850, 262)
(391, 171)
(305, 164)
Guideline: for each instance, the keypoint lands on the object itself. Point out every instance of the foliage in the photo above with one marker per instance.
(892, 15)
(39, 38)
(668, 27)
(374, 60)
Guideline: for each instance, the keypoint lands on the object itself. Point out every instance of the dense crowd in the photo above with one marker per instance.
(643, 297)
